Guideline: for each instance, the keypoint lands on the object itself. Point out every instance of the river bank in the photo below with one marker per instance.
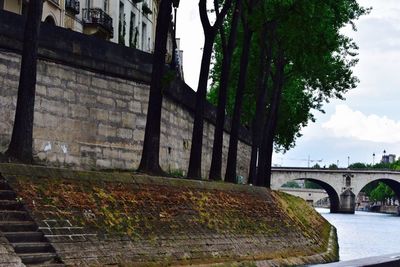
(364, 234)
(117, 218)
(382, 209)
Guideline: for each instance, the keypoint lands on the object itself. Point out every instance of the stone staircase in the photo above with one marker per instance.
(22, 232)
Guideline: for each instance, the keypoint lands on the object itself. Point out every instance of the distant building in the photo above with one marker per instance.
(388, 158)
(128, 22)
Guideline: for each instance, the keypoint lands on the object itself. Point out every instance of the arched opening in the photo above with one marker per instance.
(379, 195)
(50, 20)
(332, 195)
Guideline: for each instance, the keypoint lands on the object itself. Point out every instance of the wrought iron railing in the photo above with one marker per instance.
(72, 6)
(57, 2)
(99, 17)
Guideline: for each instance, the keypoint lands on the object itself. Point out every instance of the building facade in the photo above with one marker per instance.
(128, 22)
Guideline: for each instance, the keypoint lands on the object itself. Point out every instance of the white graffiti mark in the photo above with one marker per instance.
(47, 147)
(64, 148)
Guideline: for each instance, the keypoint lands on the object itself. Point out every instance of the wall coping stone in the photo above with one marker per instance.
(124, 177)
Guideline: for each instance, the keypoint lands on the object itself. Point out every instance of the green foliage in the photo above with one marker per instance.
(316, 166)
(311, 185)
(333, 166)
(291, 184)
(359, 165)
(381, 192)
(319, 60)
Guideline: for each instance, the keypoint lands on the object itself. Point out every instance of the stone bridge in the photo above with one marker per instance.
(309, 195)
(342, 185)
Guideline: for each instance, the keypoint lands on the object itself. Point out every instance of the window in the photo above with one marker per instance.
(105, 7)
(348, 181)
(133, 31)
(121, 24)
(144, 36)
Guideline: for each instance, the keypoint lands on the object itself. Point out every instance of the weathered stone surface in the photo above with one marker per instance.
(121, 218)
(81, 104)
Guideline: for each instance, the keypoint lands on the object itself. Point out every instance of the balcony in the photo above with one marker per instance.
(72, 6)
(56, 2)
(97, 22)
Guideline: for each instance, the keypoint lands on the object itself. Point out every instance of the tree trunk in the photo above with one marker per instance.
(151, 147)
(20, 147)
(230, 175)
(194, 171)
(262, 84)
(264, 166)
(216, 162)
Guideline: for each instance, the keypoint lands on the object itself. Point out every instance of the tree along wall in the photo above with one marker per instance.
(91, 104)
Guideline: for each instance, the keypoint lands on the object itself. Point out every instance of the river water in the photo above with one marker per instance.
(365, 234)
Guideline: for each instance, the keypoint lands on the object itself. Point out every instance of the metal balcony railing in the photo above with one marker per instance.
(57, 2)
(97, 16)
(72, 6)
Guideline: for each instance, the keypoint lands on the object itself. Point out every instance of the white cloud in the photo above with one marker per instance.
(349, 123)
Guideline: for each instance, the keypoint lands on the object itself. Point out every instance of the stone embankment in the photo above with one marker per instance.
(128, 219)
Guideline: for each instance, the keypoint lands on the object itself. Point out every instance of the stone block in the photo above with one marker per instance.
(99, 114)
(124, 133)
(41, 90)
(103, 163)
(86, 99)
(135, 106)
(78, 111)
(142, 95)
(3, 68)
(13, 71)
(121, 103)
(84, 79)
(46, 120)
(106, 130)
(126, 88)
(118, 164)
(138, 135)
(128, 120)
(110, 153)
(10, 84)
(99, 82)
(141, 121)
(115, 117)
(55, 92)
(69, 95)
(56, 107)
(105, 101)
(46, 80)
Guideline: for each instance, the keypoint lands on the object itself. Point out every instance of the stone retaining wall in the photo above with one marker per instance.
(90, 108)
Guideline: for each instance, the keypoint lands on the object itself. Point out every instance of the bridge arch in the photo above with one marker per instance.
(393, 184)
(332, 194)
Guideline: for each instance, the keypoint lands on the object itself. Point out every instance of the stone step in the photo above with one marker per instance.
(7, 194)
(18, 226)
(33, 247)
(37, 258)
(24, 237)
(10, 205)
(14, 215)
(4, 185)
(47, 265)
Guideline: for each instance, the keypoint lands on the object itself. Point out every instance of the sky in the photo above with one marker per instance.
(367, 122)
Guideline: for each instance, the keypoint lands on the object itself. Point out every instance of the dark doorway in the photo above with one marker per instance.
(50, 20)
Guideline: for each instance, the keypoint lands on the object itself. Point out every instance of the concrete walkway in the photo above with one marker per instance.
(391, 260)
